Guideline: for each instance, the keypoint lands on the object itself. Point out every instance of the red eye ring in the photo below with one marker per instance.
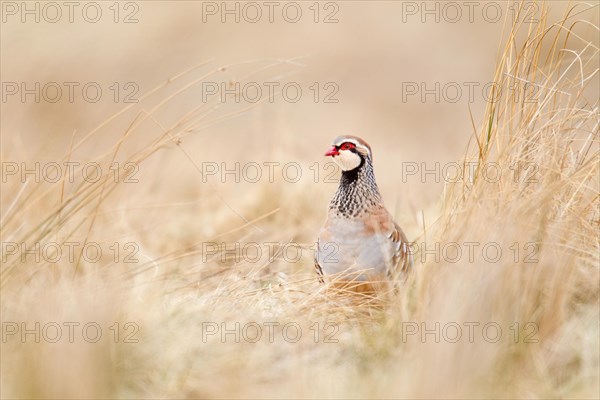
(347, 146)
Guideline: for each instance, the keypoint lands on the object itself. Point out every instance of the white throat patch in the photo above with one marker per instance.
(347, 160)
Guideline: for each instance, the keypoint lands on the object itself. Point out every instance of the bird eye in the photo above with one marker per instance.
(347, 146)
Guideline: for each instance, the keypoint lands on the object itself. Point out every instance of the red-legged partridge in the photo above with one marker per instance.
(359, 242)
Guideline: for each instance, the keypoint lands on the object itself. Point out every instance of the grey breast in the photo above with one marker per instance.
(347, 249)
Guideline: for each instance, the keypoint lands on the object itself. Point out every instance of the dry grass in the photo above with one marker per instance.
(177, 290)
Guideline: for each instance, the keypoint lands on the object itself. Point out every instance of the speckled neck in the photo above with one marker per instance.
(358, 191)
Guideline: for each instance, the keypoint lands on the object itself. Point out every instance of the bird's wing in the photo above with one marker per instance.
(381, 222)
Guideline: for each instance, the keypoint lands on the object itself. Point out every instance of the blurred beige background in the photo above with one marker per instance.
(370, 54)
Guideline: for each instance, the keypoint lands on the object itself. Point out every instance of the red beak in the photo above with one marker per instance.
(333, 151)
